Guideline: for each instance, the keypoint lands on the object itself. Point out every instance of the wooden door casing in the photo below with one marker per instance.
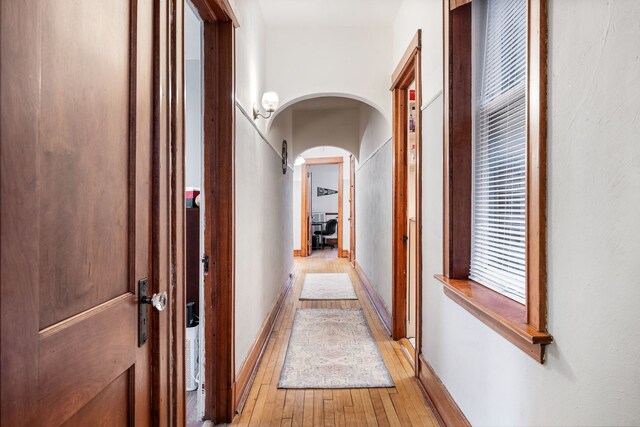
(352, 210)
(76, 212)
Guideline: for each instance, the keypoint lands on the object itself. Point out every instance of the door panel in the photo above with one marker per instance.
(110, 407)
(83, 156)
(76, 87)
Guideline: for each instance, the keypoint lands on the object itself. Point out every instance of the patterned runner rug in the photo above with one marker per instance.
(332, 348)
(327, 286)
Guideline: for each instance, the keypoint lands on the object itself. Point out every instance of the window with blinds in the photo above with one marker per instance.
(498, 244)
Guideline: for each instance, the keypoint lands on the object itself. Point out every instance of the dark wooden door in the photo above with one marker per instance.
(76, 98)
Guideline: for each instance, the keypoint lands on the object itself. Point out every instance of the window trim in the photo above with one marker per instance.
(523, 325)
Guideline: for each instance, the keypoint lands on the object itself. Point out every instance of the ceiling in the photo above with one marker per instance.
(329, 13)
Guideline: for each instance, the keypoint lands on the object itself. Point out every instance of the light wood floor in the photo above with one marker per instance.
(267, 405)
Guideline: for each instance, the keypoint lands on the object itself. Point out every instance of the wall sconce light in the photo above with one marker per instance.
(299, 161)
(269, 103)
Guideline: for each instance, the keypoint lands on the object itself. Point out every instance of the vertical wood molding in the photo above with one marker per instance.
(304, 215)
(407, 71)
(352, 209)
(178, 282)
(457, 142)
(399, 248)
(536, 220)
(219, 137)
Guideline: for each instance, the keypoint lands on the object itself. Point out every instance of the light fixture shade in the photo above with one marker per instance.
(299, 161)
(270, 101)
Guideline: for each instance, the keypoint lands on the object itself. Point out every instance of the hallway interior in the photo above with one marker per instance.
(403, 405)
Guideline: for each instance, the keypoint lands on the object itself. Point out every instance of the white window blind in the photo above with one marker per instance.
(499, 160)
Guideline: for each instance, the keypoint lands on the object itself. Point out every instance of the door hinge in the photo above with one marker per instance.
(205, 263)
(405, 239)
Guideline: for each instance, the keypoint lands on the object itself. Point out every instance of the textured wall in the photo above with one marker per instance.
(592, 372)
(263, 232)
(373, 219)
(263, 194)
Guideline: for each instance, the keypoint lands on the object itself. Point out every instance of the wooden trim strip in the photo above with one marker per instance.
(457, 3)
(323, 160)
(502, 314)
(297, 252)
(249, 368)
(216, 11)
(304, 202)
(536, 219)
(438, 395)
(407, 59)
(375, 298)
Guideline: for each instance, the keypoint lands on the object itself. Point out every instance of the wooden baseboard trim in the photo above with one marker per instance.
(408, 350)
(297, 252)
(446, 408)
(376, 300)
(249, 368)
(344, 253)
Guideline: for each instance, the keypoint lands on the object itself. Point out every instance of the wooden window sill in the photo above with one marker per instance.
(502, 314)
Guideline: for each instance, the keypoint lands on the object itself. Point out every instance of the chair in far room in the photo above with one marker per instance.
(329, 230)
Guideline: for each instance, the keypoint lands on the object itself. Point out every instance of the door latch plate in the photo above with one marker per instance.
(143, 312)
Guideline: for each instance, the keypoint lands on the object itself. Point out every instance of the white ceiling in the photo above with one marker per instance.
(329, 13)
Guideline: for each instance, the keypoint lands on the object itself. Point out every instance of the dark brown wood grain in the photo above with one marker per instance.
(178, 256)
(219, 167)
(76, 157)
(192, 255)
(457, 144)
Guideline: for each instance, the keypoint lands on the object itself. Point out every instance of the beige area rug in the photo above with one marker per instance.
(332, 348)
(327, 286)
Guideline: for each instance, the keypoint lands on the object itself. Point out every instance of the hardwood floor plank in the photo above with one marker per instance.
(378, 408)
(266, 405)
(318, 407)
(389, 409)
(369, 412)
(329, 414)
(289, 400)
(308, 408)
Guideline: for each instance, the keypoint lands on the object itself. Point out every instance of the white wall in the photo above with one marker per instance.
(297, 193)
(193, 99)
(313, 60)
(317, 128)
(263, 194)
(592, 372)
(425, 15)
(373, 219)
(324, 176)
(193, 123)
